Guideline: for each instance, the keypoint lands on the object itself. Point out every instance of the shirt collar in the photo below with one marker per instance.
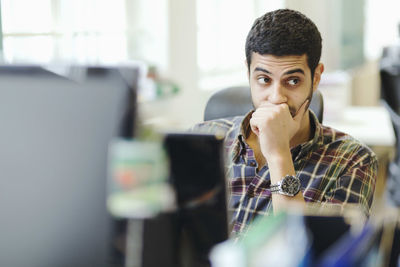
(236, 138)
(317, 139)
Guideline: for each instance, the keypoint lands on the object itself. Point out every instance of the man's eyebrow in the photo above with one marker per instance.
(263, 70)
(294, 71)
(286, 73)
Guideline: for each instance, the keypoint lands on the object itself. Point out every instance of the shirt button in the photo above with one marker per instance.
(253, 163)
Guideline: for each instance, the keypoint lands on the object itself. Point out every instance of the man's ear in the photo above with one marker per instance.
(317, 75)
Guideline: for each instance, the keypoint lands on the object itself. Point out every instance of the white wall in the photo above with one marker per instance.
(186, 108)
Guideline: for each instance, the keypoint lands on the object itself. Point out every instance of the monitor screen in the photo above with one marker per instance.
(198, 175)
(54, 138)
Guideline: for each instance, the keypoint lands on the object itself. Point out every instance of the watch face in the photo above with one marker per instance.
(290, 185)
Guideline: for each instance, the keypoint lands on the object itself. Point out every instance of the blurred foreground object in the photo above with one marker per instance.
(138, 180)
(53, 149)
(326, 240)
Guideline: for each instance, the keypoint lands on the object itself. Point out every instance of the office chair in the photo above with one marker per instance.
(393, 172)
(390, 97)
(236, 101)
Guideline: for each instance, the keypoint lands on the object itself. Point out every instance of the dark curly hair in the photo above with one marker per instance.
(285, 32)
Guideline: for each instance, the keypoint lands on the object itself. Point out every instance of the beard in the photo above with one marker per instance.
(293, 110)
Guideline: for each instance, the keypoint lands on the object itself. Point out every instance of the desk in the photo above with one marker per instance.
(370, 125)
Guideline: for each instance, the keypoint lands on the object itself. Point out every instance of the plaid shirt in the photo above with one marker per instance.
(333, 168)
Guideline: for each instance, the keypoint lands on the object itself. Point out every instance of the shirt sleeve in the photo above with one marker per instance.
(356, 184)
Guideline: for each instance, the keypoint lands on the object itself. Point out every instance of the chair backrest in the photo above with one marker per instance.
(390, 95)
(236, 101)
(390, 86)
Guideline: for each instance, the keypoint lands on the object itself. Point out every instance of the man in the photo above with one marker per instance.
(280, 154)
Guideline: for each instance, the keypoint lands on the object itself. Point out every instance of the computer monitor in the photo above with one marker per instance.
(54, 136)
(197, 173)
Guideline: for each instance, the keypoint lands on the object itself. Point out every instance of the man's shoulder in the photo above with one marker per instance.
(218, 126)
(345, 144)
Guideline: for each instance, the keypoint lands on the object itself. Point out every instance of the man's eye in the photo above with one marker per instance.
(293, 81)
(264, 80)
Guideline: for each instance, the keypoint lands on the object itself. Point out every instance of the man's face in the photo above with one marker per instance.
(278, 80)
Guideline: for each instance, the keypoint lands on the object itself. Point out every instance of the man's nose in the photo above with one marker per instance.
(277, 95)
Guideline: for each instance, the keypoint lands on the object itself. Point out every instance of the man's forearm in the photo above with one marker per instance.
(280, 165)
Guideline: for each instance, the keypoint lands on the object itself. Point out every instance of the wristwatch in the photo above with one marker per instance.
(288, 186)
